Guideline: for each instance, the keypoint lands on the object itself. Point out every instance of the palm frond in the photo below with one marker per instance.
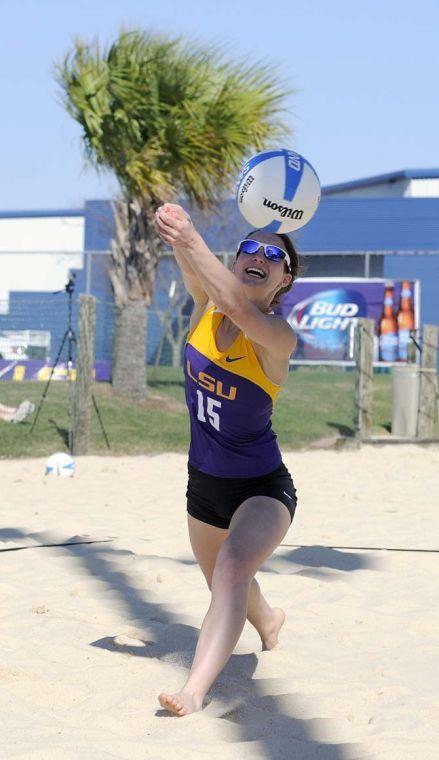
(169, 116)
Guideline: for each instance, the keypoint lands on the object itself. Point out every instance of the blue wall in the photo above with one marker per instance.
(351, 224)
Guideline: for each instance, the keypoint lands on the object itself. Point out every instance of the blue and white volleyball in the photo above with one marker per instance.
(278, 191)
(60, 464)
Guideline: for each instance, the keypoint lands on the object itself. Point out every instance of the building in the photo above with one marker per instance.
(407, 183)
(377, 227)
(59, 233)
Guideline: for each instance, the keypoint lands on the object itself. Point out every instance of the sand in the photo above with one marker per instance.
(92, 631)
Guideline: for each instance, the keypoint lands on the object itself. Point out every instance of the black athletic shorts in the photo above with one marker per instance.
(214, 500)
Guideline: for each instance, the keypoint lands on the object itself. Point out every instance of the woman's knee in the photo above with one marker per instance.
(232, 567)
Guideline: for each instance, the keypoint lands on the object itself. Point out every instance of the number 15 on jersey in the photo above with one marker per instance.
(212, 415)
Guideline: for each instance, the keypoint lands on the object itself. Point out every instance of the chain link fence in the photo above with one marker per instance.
(37, 311)
(39, 314)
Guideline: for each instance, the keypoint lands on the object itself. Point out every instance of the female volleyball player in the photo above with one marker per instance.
(240, 496)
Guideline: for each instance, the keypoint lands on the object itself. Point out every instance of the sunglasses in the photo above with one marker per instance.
(271, 252)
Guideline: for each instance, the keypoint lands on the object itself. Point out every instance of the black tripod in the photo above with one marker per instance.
(70, 337)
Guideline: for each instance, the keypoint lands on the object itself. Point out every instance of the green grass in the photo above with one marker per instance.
(315, 403)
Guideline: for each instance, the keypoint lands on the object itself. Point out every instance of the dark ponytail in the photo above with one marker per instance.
(290, 248)
(294, 256)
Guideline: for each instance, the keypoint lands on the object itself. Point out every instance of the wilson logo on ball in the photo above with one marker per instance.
(245, 186)
(278, 190)
(294, 161)
(291, 213)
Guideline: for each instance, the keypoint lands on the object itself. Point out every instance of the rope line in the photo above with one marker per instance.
(67, 543)
(293, 546)
(365, 548)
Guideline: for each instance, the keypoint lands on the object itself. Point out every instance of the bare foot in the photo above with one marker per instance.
(270, 640)
(181, 703)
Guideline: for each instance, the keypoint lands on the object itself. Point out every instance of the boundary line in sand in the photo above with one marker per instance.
(294, 546)
(67, 543)
(365, 548)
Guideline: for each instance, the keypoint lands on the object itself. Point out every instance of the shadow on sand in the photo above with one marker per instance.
(253, 715)
(319, 562)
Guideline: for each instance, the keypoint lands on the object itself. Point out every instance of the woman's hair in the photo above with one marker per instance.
(295, 269)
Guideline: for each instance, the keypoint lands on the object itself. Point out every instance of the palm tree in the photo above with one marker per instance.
(171, 120)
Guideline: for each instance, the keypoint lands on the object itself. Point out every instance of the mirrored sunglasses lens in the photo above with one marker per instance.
(250, 246)
(274, 253)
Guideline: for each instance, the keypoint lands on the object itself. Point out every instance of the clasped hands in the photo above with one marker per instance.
(174, 225)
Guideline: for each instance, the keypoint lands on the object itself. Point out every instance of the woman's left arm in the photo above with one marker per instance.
(222, 287)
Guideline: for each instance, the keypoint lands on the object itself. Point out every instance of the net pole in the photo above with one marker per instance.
(363, 352)
(427, 409)
(82, 404)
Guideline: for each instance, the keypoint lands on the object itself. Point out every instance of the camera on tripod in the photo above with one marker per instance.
(70, 285)
(69, 338)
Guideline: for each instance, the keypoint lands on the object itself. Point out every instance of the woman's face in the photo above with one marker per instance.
(258, 274)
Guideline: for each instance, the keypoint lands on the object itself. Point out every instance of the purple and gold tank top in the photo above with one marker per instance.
(230, 401)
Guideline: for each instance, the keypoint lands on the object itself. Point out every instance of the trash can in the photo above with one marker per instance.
(405, 399)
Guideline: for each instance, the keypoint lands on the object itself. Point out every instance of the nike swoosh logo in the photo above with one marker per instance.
(236, 359)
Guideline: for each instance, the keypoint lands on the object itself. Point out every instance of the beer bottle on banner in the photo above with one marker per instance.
(388, 328)
(406, 320)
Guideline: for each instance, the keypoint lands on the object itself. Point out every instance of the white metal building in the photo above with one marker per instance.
(407, 183)
(25, 235)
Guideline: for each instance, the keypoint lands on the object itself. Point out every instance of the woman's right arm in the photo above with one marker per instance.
(190, 279)
(192, 284)
(194, 288)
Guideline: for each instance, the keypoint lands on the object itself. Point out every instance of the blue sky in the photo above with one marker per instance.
(366, 75)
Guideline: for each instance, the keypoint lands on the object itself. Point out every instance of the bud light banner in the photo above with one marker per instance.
(324, 311)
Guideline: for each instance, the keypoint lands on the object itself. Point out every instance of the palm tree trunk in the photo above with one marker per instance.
(135, 255)
(177, 343)
(129, 368)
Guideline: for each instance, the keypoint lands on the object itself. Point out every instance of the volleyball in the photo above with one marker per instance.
(60, 464)
(278, 191)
